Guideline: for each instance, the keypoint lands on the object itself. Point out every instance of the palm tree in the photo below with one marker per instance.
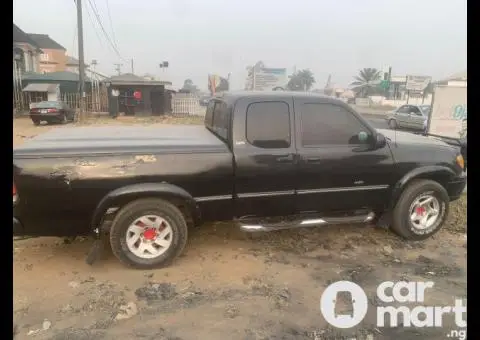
(366, 81)
(302, 80)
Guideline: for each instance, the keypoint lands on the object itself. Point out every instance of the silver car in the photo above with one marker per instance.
(409, 117)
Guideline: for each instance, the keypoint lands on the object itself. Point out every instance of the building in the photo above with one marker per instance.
(53, 58)
(136, 95)
(26, 52)
(457, 79)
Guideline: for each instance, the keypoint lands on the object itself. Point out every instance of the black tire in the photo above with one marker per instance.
(36, 122)
(132, 211)
(392, 124)
(401, 223)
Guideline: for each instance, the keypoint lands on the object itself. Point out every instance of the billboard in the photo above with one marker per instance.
(417, 83)
(217, 84)
(268, 79)
(449, 112)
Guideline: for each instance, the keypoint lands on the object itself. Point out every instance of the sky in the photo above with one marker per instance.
(197, 38)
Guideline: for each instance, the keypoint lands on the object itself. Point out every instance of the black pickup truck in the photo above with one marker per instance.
(267, 161)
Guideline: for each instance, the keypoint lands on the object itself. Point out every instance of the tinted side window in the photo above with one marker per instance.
(209, 114)
(221, 119)
(268, 125)
(329, 124)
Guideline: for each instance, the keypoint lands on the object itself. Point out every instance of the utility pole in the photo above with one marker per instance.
(131, 64)
(81, 61)
(117, 68)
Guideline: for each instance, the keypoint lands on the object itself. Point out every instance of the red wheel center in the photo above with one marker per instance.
(420, 210)
(150, 234)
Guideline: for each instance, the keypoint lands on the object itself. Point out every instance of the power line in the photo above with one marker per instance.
(111, 24)
(94, 27)
(97, 16)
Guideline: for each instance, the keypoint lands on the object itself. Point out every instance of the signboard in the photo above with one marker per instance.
(268, 79)
(449, 112)
(217, 84)
(417, 83)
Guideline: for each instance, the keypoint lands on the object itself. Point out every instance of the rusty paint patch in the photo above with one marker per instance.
(145, 159)
(83, 162)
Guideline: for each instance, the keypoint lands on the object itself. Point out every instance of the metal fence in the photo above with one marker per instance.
(187, 104)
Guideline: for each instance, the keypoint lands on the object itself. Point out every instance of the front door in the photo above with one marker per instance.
(337, 170)
(402, 115)
(264, 151)
(416, 118)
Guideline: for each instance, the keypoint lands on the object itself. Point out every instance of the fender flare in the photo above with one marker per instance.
(434, 170)
(142, 190)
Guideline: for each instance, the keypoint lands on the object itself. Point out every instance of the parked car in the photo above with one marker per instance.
(266, 160)
(412, 117)
(51, 112)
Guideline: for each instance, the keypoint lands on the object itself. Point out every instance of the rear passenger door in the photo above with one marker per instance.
(336, 170)
(264, 151)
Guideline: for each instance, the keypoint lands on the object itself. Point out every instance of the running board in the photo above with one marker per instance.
(312, 222)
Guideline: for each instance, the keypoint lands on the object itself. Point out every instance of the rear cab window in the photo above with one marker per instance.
(217, 119)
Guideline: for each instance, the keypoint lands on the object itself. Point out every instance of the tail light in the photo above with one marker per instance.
(15, 196)
(52, 110)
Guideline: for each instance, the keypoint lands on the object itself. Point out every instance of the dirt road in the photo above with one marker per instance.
(228, 287)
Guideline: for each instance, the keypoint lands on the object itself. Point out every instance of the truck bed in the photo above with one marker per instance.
(121, 139)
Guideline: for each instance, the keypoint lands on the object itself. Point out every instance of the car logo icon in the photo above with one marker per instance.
(344, 304)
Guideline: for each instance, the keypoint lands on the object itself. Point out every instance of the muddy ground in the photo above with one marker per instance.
(226, 286)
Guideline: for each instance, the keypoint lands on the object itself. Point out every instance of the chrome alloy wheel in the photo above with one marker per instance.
(149, 236)
(424, 211)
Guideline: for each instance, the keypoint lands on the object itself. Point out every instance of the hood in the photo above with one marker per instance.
(121, 140)
(403, 137)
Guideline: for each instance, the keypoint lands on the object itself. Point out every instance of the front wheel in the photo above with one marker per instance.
(148, 233)
(421, 210)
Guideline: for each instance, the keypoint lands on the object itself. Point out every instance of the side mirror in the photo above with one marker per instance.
(380, 141)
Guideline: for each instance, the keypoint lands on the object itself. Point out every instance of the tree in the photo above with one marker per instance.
(366, 82)
(302, 80)
(189, 87)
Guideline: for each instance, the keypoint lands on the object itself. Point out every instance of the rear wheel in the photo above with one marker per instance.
(36, 122)
(421, 210)
(148, 233)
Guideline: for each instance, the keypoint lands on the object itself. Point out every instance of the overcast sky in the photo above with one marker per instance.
(198, 37)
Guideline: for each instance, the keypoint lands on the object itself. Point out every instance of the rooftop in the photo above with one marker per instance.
(132, 79)
(44, 41)
(53, 76)
(20, 36)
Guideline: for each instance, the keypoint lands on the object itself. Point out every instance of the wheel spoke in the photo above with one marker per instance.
(424, 220)
(150, 248)
(132, 240)
(428, 200)
(164, 233)
(162, 242)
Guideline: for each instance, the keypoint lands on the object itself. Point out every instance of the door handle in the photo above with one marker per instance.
(285, 159)
(313, 159)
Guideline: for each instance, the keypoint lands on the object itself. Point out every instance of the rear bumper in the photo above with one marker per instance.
(456, 187)
(17, 227)
(46, 116)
